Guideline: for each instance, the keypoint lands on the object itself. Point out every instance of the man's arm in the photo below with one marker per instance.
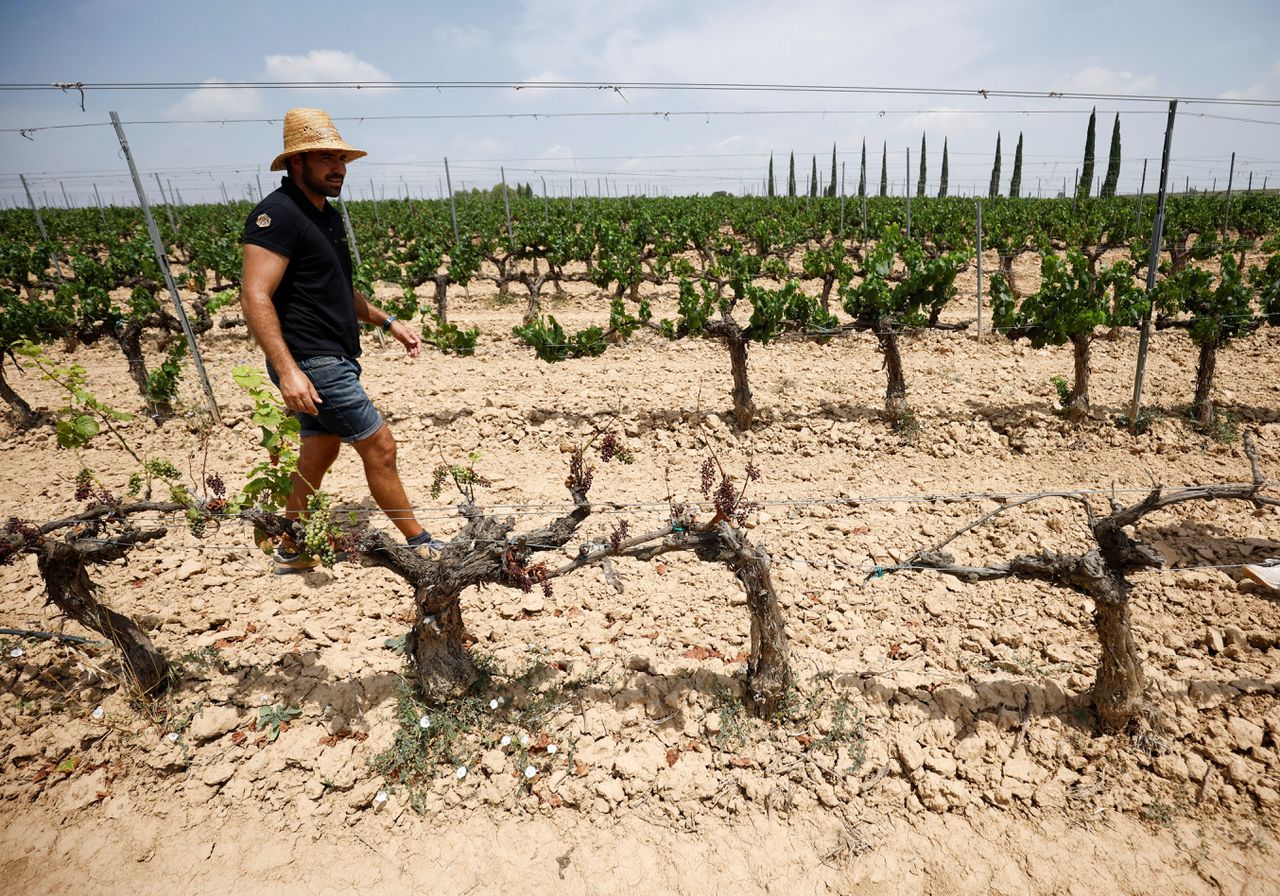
(366, 312)
(263, 271)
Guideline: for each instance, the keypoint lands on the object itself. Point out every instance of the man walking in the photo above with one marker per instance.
(302, 309)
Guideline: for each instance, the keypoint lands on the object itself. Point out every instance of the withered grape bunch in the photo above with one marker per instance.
(18, 533)
(618, 535)
(580, 474)
(523, 577)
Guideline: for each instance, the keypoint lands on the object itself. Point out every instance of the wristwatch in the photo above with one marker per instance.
(386, 324)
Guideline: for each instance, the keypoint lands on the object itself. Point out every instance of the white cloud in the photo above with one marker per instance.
(462, 37)
(214, 102)
(1096, 79)
(527, 90)
(1267, 88)
(558, 152)
(324, 65)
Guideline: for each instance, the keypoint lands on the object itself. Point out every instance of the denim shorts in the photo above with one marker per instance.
(346, 410)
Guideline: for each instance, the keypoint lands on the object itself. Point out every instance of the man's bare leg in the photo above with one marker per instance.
(315, 457)
(378, 452)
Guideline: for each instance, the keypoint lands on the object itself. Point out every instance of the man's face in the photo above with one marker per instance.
(321, 172)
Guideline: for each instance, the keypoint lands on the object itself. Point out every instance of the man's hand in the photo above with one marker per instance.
(409, 339)
(298, 392)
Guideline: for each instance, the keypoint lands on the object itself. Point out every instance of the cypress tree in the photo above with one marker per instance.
(884, 169)
(1113, 161)
(791, 177)
(942, 189)
(770, 188)
(813, 179)
(994, 190)
(1015, 184)
(831, 187)
(1086, 170)
(920, 183)
(862, 171)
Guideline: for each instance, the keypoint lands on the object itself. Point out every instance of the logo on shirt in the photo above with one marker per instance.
(264, 220)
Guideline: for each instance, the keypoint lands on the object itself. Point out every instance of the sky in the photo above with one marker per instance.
(198, 143)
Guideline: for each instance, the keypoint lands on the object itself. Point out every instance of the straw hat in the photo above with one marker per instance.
(311, 129)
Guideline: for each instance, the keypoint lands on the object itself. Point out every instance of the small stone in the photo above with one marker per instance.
(212, 723)
(1244, 734)
(1020, 768)
(1171, 766)
(611, 789)
(218, 774)
(314, 632)
(494, 762)
(910, 754)
(532, 603)
(1266, 796)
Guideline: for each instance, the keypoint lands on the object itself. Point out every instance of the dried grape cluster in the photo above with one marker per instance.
(523, 577)
(88, 489)
(18, 534)
(580, 474)
(618, 535)
(214, 483)
(728, 500)
(611, 448)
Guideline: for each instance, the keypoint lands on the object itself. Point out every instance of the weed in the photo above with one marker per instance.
(848, 730)
(1143, 426)
(276, 719)
(1161, 813)
(907, 426)
(203, 659)
(1063, 389)
(512, 712)
(1224, 428)
(733, 718)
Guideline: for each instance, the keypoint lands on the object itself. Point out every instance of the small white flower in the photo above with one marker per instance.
(530, 771)
(494, 704)
(461, 772)
(172, 737)
(524, 740)
(506, 740)
(551, 748)
(424, 722)
(596, 651)
(98, 713)
(264, 699)
(501, 701)
(16, 652)
(380, 797)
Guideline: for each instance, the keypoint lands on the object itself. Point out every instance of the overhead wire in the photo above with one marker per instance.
(617, 87)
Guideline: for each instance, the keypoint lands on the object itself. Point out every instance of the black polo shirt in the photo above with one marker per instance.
(315, 300)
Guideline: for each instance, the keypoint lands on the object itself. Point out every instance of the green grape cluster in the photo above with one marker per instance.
(318, 531)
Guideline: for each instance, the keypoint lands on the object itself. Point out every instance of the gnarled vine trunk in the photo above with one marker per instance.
(1202, 405)
(442, 297)
(26, 417)
(895, 393)
(744, 409)
(1078, 399)
(66, 579)
(768, 664)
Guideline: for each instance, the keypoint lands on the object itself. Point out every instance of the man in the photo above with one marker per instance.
(302, 309)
